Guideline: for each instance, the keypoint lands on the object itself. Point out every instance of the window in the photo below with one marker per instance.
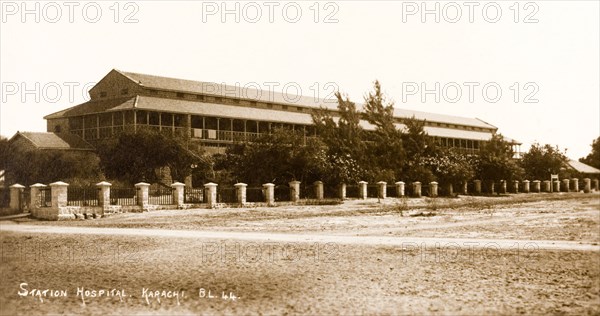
(125, 91)
(57, 129)
(103, 94)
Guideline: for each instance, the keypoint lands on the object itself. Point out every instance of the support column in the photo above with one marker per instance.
(15, 196)
(240, 193)
(210, 192)
(342, 191)
(362, 190)
(587, 185)
(477, 185)
(141, 191)
(465, 188)
(178, 189)
(433, 189)
(556, 186)
(294, 191)
(525, 186)
(515, 186)
(59, 194)
(382, 189)
(35, 195)
(319, 189)
(269, 193)
(400, 188)
(103, 193)
(492, 187)
(536, 186)
(575, 184)
(416, 189)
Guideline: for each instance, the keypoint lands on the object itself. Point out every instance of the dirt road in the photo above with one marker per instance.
(307, 238)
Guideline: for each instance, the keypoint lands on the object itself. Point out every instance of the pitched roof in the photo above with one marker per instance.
(93, 106)
(224, 90)
(581, 167)
(55, 141)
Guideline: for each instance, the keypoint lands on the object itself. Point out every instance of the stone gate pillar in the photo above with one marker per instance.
(141, 191)
(319, 189)
(575, 184)
(362, 190)
(400, 188)
(240, 192)
(210, 193)
(433, 189)
(269, 193)
(178, 190)
(382, 189)
(526, 186)
(15, 196)
(416, 188)
(477, 185)
(103, 193)
(342, 191)
(294, 191)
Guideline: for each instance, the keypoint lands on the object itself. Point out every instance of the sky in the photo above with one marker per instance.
(529, 68)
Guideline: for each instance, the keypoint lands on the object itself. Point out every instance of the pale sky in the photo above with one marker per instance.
(554, 59)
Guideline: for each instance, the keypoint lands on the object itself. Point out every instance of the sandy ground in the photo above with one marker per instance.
(516, 255)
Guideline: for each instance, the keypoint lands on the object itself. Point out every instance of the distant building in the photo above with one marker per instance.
(49, 141)
(218, 115)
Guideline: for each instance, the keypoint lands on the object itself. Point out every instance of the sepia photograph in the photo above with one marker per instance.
(315, 157)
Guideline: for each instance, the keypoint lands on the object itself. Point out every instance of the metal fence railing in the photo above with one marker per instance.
(45, 197)
(226, 195)
(282, 193)
(82, 196)
(193, 195)
(123, 196)
(352, 191)
(160, 196)
(255, 194)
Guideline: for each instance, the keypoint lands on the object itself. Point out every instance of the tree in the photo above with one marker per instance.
(385, 146)
(542, 161)
(278, 157)
(496, 161)
(593, 158)
(450, 166)
(417, 146)
(135, 157)
(344, 140)
(29, 166)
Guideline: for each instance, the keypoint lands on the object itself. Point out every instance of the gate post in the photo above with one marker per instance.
(240, 193)
(294, 191)
(103, 193)
(178, 188)
(400, 188)
(15, 196)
